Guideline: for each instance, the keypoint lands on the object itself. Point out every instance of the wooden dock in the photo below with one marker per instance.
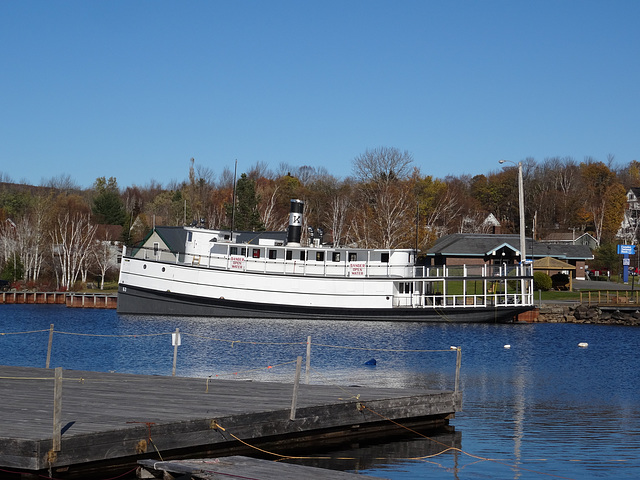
(245, 467)
(74, 300)
(110, 421)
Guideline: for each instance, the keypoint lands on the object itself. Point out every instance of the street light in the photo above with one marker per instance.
(523, 256)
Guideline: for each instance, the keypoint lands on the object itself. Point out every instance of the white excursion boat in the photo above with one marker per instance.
(215, 275)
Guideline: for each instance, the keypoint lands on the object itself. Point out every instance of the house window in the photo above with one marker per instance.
(384, 257)
(256, 253)
(273, 254)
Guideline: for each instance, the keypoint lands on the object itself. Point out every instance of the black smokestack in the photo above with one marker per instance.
(294, 232)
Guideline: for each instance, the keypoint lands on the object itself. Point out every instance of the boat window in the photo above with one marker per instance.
(256, 253)
(319, 256)
(303, 255)
(289, 255)
(233, 250)
(336, 256)
(273, 254)
(243, 252)
(189, 236)
(156, 246)
(384, 257)
(353, 257)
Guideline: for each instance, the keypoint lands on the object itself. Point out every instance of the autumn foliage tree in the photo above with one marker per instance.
(387, 202)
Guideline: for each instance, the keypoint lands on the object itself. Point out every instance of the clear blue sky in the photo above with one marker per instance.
(134, 89)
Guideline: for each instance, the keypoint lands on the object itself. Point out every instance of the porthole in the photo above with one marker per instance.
(163, 269)
(144, 266)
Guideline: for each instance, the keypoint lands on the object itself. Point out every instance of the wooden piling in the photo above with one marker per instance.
(57, 410)
(49, 346)
(307, 369)
(296, 383)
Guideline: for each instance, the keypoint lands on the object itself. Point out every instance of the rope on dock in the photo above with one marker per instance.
(346, 347)
(249, 342)
(130, 335)
(22, 333)
(425, 457)
(231, 342)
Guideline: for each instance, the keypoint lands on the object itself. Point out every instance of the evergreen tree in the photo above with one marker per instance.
(247, 216)
(107, 204)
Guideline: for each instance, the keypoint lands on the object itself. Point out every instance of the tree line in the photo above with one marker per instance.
(58, 235)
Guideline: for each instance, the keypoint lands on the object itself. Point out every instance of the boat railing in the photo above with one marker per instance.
(470, 301)
(326, 267)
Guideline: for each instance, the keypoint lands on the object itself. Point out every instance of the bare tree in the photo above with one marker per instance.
(382, 165)
(267, 207)
(336, 215)
(260, 170)
(72, 238)
(104, 253)
(62, 183)
(385, 195)
(23, 240)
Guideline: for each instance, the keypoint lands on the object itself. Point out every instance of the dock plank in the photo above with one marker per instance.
(119, 417)
(247, 467)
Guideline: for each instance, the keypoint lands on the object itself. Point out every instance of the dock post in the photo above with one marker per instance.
(307, 367)
(458, 363)
(49, 347)
(294, 400)
(57, 410)
(176, 341)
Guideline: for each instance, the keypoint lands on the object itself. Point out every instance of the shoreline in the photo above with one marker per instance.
(627, 314)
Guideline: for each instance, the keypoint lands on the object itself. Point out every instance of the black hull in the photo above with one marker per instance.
(139, 301)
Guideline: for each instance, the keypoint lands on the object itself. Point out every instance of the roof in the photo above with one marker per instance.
(550, 263)
(491, 220)
(467, 244)
(636, 191)
(559, 250)
(479, 245)
(173, 237)
(566, 237)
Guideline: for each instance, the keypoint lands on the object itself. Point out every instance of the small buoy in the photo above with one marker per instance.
(452, 347)
(371, 362)
(507, 346)
(583, 344)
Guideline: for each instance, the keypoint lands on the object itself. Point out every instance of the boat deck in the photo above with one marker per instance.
(117, 419)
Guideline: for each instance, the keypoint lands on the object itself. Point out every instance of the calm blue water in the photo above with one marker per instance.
(544, 408)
